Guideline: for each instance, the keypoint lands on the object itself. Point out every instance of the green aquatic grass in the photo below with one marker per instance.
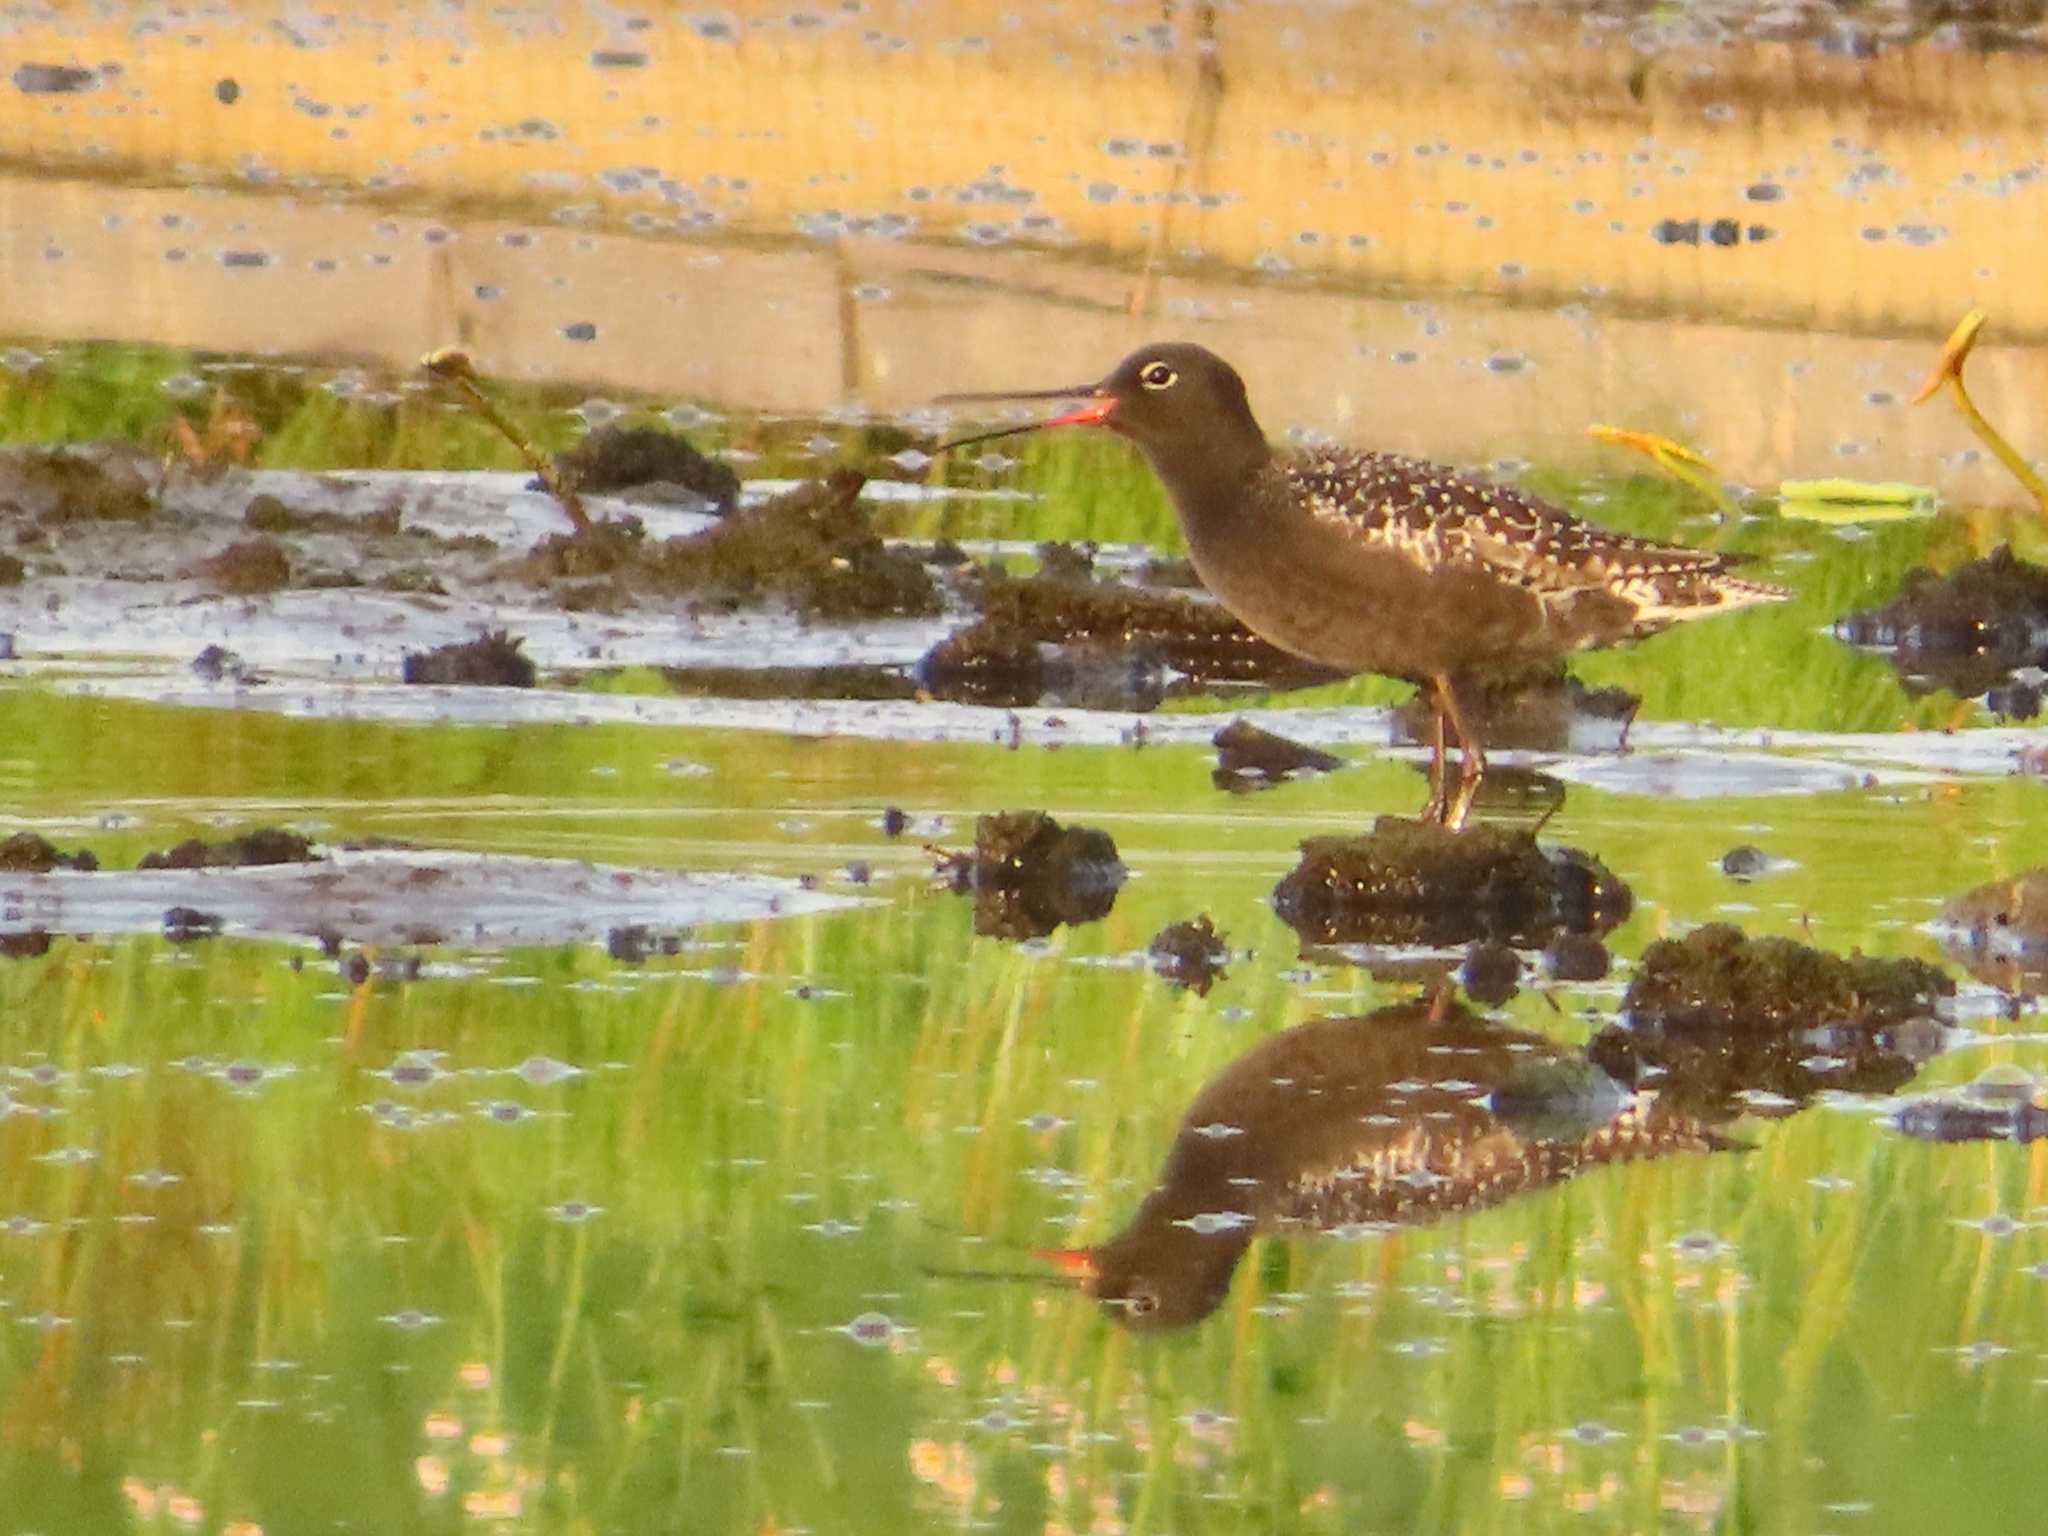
(327, 1318)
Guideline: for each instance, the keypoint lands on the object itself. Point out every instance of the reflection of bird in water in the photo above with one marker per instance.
(1370, 562)
(1414, 1112)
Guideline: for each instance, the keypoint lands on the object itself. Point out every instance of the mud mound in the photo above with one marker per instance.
(1965, 631)
(1190, 954)
(1028, 874)
(265, 845)
(619, 458)
(1414, 882)
(492, 660)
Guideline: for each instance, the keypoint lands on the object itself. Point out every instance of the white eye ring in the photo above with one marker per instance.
(1157, 376)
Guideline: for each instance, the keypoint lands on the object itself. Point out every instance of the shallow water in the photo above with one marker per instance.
(623, 1129)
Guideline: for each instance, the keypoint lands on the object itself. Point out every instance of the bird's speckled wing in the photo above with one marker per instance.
(1440, 519)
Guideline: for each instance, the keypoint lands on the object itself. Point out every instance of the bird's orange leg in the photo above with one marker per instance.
(1472, 758)
(1439, 788)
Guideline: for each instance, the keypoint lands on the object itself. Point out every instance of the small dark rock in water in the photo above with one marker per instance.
(187, 925)
(31, 945)
(1414, 882)
(1190, 954)
(266, 845)
(90, 483)
(250, 567)
(218, 664)
(1491, 974)
(1965, 631)
(12, 571)
(1577, 957)
(267, 514)
(355, 970)
(895, 821)
(491, 660)
(1248, 758)
(1745, 862)
(1028, 874)
(1719, 1017)
(632, 943)
(25, 853)
(619, 458)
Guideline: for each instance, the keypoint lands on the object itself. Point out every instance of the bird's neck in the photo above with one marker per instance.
(1209, 477)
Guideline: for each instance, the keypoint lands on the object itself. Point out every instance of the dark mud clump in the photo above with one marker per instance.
(647, 459)
(12, 571)
(30, 945)
(1190, 954)
(250, 567)
(491, 660)
(984, 664)
(1248, 759)
(265, 845)
(1965, 631)
(25, 853)
(1413, 882)
(188, 925)
(1028, 874)
(1537, 711)
(812, 547)
(1718, 1021)
(1999, 932)
(95, 482)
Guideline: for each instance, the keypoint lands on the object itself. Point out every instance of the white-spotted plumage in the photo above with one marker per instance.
(1439, 519)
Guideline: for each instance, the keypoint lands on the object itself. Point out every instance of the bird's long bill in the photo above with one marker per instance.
(1077, 1263)
(1092, 414)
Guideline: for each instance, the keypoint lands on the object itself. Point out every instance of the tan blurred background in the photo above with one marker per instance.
(1466, 237)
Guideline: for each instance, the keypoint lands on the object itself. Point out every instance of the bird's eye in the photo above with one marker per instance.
(1157, 376)
(1143, 1302)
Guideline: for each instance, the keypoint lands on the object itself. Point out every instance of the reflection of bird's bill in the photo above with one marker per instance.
(1076, 1264)
(1093, 414)
(1027, 1276)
